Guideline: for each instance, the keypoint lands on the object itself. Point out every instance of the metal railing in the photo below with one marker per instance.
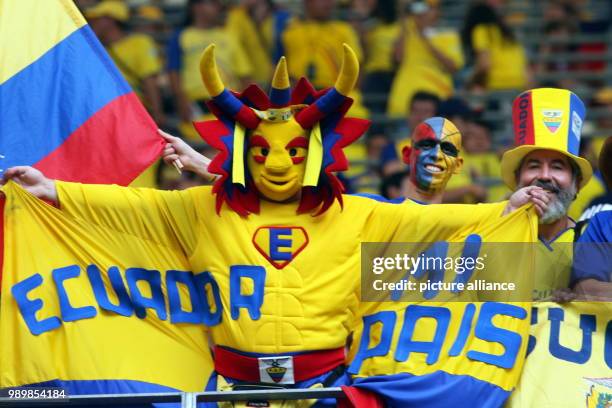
(185, 399)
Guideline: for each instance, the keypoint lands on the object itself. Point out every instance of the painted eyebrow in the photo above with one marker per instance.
(259, 141)
(299, 141)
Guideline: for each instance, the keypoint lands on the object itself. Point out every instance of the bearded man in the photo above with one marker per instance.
(547, 125)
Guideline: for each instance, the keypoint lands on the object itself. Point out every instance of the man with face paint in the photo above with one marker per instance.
(433, 159)
(274, 242)
(547, 125)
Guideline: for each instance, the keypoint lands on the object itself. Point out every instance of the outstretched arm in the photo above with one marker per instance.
(415, 222)
(164, 216)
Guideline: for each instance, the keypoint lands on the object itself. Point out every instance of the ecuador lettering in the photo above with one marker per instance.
(160, 299)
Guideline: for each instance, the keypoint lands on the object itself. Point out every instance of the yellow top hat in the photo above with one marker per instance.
(114, 9)
(546, 118)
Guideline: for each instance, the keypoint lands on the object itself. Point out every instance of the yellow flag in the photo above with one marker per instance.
(434, 353)
(570, 357)
(95, 310)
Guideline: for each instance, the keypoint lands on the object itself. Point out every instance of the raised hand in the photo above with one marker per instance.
(177, 149)
(529, 194)
(33, 181)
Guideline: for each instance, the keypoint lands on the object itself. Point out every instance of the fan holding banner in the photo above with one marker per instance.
(263, 277)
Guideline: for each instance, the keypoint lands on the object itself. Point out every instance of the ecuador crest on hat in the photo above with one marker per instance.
(546, 118)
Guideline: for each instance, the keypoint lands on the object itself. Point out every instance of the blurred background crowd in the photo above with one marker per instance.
(460, 59)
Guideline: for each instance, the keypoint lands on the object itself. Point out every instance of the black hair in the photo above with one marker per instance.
(483, 123)
(480, 13)
(455, 107)
(385, 11)
(392, 180)
(605, 162)
(422, 96)
(189, 14)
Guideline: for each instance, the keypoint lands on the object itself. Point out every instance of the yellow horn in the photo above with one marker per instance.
(210, 74)
(281, 75)
(349, 71)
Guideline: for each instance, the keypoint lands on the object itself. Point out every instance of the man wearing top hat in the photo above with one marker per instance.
(547, 125)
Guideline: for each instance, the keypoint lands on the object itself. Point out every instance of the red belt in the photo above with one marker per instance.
(305, 366)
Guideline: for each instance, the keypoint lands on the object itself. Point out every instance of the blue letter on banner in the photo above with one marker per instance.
(387, 319)
(28, 308)
(125, 307)
(588, 325)
(69, 313)
(253, 302)
(210, 318)
(405, 344)
(485, 330)
(177, 314)
(141, 303)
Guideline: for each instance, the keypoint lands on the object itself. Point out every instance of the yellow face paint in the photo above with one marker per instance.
(450, 164)
(277, 159)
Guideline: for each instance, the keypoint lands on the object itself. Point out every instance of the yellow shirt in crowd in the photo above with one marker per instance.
(553, 264)
(380, 43)
(186, 49)
(420, 70)
(508, 61)
(314, 49)
(137, 58)
(256, 41)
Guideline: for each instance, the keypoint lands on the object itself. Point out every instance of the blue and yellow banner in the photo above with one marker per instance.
(569, 362)
(441, 354)
(95, 310)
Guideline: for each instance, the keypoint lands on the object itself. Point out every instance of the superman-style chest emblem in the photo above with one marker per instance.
(280, 245)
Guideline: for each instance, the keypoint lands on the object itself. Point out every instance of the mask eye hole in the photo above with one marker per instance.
(449, 148)
(425, 144)
(293, 152)
(265, 151)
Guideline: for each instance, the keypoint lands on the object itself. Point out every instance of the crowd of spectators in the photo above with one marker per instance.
(416, 61)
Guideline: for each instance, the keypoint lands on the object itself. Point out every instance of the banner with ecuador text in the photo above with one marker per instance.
(95, 310)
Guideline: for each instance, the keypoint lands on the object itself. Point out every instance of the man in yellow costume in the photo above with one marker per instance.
(274, 241)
